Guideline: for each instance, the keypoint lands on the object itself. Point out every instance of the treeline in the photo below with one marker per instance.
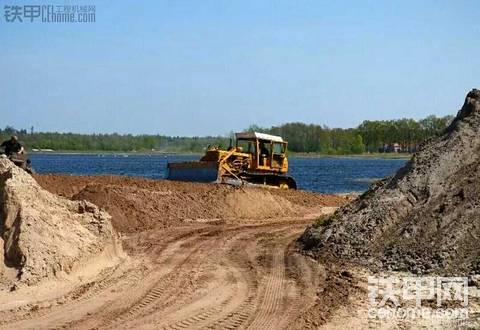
(370, 136)
(111, 142)
(408, 133)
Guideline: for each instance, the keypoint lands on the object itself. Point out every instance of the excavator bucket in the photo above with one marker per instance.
(194, 171)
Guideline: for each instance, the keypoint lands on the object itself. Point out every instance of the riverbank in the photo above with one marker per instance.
(156, 153)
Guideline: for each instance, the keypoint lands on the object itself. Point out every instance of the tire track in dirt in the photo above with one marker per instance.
(233, 258)
(169, 283)
(268, 313)
(141, 306)
(211, 277)
(243, 311)
(301, 278)
(244, 314)
(207, 244)
(272, 294)
(109, 278)
(166, 253)
(195, 321)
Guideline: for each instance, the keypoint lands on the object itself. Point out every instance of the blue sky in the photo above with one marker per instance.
(210, 67)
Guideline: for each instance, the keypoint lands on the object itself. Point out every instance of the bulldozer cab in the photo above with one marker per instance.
(268, 152)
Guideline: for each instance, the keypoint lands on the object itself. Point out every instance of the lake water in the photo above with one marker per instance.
(326, 174)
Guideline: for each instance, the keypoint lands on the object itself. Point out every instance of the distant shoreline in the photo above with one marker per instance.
(157, 153)
(88, 152)
(364, 155)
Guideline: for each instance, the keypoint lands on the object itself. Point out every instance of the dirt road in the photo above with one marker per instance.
(202, 276)
(192, 270)
(200, 257)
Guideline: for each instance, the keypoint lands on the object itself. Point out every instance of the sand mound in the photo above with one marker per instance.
(137, 204)
(424, 219)
(43, 235)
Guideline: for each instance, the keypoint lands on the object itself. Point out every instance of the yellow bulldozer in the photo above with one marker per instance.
(256, 159)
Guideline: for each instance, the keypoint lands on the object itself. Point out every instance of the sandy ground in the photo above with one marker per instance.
(201, 256)
(223, 268)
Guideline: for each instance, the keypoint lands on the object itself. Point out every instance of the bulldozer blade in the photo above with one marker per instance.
(193, 171)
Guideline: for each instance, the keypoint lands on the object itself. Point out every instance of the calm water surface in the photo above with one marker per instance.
(332, 175)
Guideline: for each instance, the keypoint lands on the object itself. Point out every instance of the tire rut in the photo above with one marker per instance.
(211, 277)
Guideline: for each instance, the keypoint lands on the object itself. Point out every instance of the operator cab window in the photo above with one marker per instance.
(278, 158)
(265, 147)
(247, 146)
(278, 148)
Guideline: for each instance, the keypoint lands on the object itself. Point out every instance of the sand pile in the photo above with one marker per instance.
(137, 204)
(424, 219)
(43, 235)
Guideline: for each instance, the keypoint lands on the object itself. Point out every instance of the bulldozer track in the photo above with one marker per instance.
(274, 290)
(208, 277)
(196, 320)
(272, 294)
(159, 289)
(242, 312)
